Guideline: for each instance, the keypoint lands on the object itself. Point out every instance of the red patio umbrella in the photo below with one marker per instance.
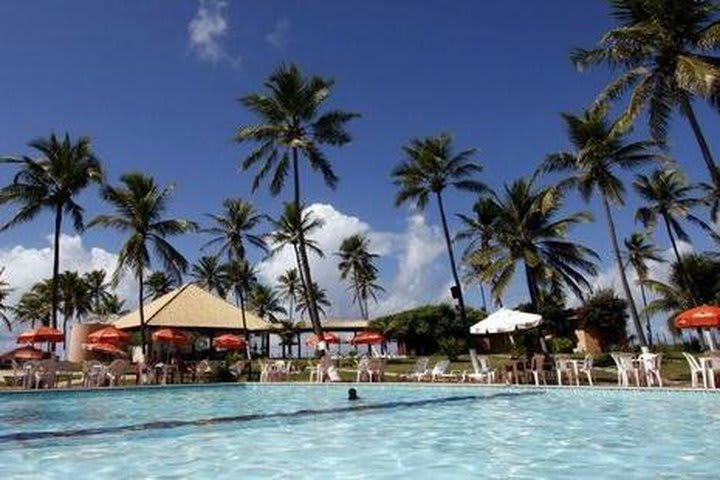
(171, 336)
(705, 316)
(367, 338)
(109, 335)
(41, 335)
(26, 352)
(106, 348)
(229, 342)
(329, 338)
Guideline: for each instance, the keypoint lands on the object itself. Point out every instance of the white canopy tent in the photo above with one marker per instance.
(506, 321)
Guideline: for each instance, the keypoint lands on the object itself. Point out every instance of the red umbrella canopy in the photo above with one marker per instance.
(705, 316)
(172, 336)
(26, 352)
(109, 335)
(329, 338)
(229, 342)
(106, 348)
(367, 338)
(41, 335)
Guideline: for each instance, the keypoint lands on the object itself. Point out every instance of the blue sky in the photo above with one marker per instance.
(130, 75)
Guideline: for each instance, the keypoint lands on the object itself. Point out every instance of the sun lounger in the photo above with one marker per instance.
(481, 369)
(419, 369)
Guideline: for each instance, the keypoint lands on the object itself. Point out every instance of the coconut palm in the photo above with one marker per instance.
(210, 275)
(600, 150)
(356, 263)
(75, 299)
(638, 252)
(292, 126)
(667, 194)
(266, 302)
(478, 231)
(431, 165)
(321, 297)
(98, 289)
(52, 182)
(140, 205)
(232, 229)
(693, 280)
(5, 291)
(35, 305)
(530, 230)
(112, 305)
(662, 47)
(290, 288)
(158, 284)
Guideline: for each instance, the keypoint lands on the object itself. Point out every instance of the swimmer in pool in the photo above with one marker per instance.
(352, 394)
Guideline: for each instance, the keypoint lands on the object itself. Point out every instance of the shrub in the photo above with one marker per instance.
(452, 347)
(561, 345)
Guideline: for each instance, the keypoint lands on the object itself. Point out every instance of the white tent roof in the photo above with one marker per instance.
(506, 321)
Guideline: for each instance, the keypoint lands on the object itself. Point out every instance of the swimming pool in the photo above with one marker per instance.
(305, 431)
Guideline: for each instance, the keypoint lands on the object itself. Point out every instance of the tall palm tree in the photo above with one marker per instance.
(5, 291)
(431, 165)
(321, 297)
(158, 284)
(667, 194)
(98, 289)
(292, 126)
(599, 151)
(52, 182)
(240, 279)
(112, 305)
(638, 251)
(290, 286)
(266, 302)
(478, 231)
(210, 275)
(140, 205)
(233, 229)
(356, 262)
(530, 230)
(35, 305)
(75, 299)
(663, 48)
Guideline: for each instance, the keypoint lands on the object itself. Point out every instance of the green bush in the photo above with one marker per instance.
(452, 347)
(603, 360)
(561, 345)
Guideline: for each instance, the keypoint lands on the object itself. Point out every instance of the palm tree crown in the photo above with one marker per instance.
(210, 275)
(356, 262)
(233, 228)
(266, 302)
(290, 289)
(158, 284)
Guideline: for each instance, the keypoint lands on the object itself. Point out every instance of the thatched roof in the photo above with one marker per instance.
(192, 307)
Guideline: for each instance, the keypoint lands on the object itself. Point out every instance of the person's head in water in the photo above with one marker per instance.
(352, 394)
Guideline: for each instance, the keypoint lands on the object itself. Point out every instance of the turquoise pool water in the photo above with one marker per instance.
(294, 431)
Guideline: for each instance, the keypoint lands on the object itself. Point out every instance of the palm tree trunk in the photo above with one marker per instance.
(482, 294)
(647, 315)
(448, 243)
(143, 337)
(687, 109)
(680, 264)
(357, 294)
(241, 297)
(532, 287)
(623, 277)
(304, 265)
(56, 266)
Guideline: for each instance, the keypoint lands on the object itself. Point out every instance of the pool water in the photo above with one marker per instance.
(304, 431)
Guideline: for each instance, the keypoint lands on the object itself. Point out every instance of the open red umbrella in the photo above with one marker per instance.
(41, 335)
(171, 336)
(329, 338)
(705, 316)
(367, 338)
(229, 342)
(106, 348)
(26, 352)
(109, 335)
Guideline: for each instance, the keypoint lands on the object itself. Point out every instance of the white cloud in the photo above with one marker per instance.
(26, 266)
(207, 31)
(414, 279)
(278, 36)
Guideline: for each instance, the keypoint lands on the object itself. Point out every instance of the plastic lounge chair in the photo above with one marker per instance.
(325, 371)
(626, 367)
(376, 369)
(419, 369)
(537, 369)
(563, 366)
(587, 368)
(481, 368)
(437, 372)
(696, 371)
(115, 371)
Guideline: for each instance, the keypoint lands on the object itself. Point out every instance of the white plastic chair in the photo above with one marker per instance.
(362, 369)
(420, 369)
(537, 369)
(115, 371)
(45, 374)
(587, 368)
(696, 371)
(625, 367)
(562, 365)
(481, 368)
(376, 369)
(651, 363)
(438, 371)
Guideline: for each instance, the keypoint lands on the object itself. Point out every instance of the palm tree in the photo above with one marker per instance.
(112, 305)
(158, 284)
(639, 251)
(431, 166)
(321, 297)
(233, 228)
(356, 262)
(662, 47)
(240, 280)
(530, 230)
(210, 275)
(479, 231)
(140, 204)
(266, 302)
(35, 305)
(600, 150)
(290, 287)
(5, 291)
(667, 194)
(52, 182)
(291, 125)
(98, 289)
(75, 299)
